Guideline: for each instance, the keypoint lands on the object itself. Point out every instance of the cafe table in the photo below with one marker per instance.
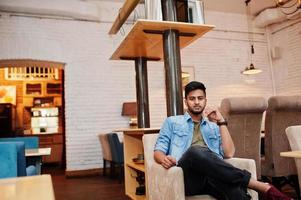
(35, 156)
(291, 154)
(27, 188)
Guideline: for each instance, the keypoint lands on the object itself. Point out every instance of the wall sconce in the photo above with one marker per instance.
(130, 109)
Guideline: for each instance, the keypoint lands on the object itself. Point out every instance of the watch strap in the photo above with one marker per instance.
(222, 123)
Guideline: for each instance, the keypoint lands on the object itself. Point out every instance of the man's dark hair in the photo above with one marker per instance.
(194, 85)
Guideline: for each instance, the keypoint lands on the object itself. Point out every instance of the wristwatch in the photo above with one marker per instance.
(222, 123)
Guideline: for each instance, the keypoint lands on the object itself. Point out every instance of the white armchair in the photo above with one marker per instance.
(163, 184)
(294, 137)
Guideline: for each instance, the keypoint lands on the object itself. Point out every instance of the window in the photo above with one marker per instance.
(196, 11)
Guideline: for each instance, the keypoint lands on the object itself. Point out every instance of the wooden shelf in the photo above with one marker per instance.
(137, 131)
(123, 14)
(138, 43)
(136, 197)
(132, 144)
(133, 165)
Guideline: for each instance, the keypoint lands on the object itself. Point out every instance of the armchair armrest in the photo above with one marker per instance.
(249, 165)
(244, 163)
(165, 184)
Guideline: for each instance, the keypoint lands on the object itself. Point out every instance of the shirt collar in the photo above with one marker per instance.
(187, 117)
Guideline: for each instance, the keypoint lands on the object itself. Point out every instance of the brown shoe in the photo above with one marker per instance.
(274, 194)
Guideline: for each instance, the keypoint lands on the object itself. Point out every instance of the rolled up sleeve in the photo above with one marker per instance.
(163, 141)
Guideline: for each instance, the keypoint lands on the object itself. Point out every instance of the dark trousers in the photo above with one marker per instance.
(206, 173)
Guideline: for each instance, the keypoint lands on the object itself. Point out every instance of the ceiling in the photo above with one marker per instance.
(234, 6)
(239, 6)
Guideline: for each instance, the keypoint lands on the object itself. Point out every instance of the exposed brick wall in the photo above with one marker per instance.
(96, 87)
(287, 67)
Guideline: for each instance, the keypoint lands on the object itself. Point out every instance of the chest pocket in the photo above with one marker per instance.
(180, 137)
(213, 140)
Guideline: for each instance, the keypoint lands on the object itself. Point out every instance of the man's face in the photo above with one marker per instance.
(196, 101)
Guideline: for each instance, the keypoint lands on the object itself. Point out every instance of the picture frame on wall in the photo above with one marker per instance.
(8, 94)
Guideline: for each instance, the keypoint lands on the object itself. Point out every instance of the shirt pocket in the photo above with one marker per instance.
(214, 140)
(180, 138)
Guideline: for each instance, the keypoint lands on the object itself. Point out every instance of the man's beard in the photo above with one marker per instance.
(195, 112)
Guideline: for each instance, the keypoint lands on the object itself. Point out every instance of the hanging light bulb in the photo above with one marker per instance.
(250, 70)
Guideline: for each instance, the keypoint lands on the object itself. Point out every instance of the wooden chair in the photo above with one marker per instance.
(117, 153)
(106, 152)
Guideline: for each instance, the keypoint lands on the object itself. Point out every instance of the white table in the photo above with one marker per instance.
(27, 188)
(37, 152)
(35, 156)
(291, 154)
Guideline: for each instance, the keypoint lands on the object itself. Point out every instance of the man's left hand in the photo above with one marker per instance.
(213, 114)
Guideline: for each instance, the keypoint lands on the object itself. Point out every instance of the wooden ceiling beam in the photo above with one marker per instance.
(125, 11)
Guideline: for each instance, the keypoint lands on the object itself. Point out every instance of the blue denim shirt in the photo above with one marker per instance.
(176, 134)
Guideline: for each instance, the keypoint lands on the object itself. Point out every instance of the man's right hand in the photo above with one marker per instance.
(166, 161)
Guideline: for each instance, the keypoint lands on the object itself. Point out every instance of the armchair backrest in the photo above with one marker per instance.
(31, 142)
(282, 112)
(294, 137)
(18, 161)
(8, 160)
(244, 116)
(105, 146)
(116, 148)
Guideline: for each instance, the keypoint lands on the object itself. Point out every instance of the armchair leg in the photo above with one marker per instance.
(120, 172)
(104, 167)
(112, 169)
(295, 184)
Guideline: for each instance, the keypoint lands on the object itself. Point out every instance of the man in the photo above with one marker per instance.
(198, 145)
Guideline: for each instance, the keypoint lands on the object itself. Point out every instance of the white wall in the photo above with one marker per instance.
(95, 87)
(286, 39)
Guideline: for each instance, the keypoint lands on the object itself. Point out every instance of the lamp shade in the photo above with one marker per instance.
(129, 109)
(251, 70)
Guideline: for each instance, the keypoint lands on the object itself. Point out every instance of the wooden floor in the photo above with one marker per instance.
(96, 187)
(85, 188)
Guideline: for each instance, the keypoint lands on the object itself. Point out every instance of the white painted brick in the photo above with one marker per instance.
(96, 87)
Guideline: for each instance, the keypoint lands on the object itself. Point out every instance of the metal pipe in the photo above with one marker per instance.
(172, 61)
(142, 93)
(173, 79)
(169, 10)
